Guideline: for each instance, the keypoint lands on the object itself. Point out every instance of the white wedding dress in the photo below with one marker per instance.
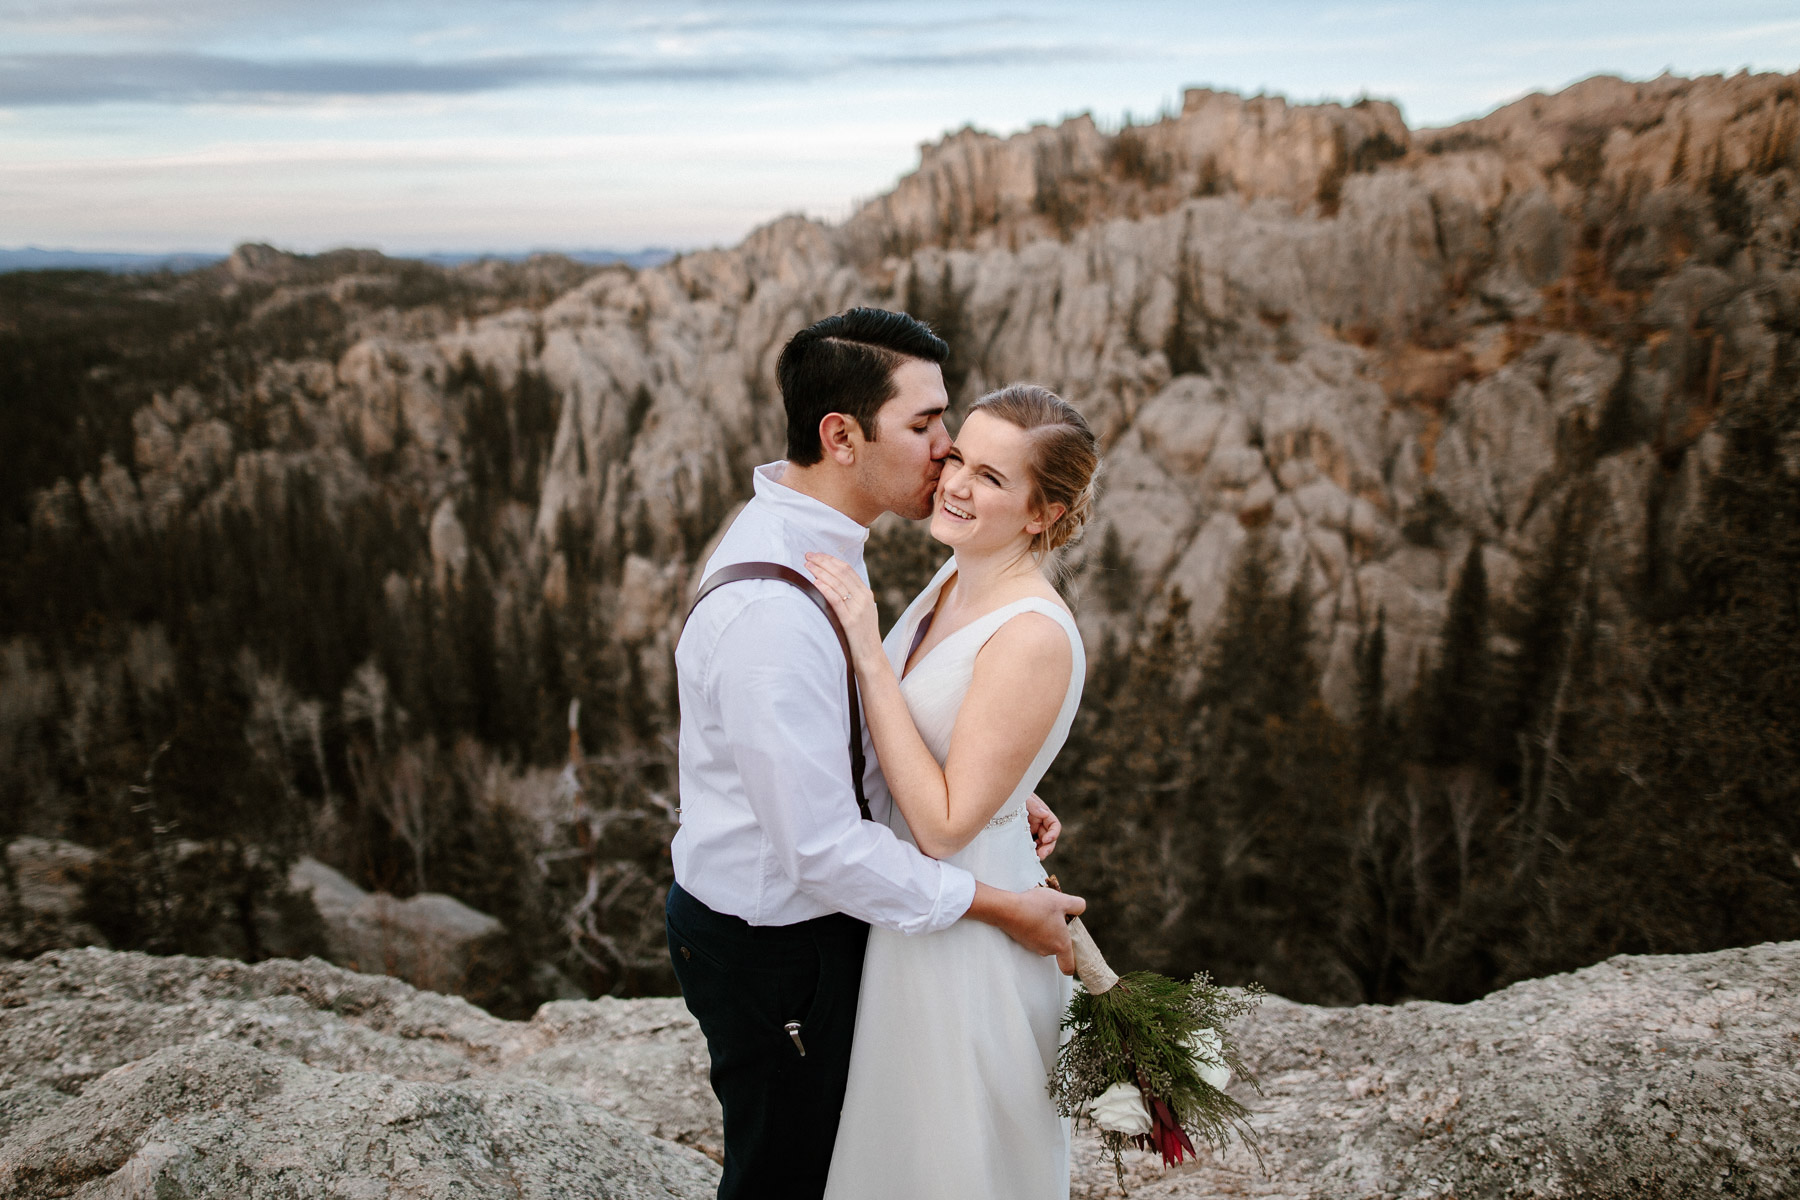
(956, 1032)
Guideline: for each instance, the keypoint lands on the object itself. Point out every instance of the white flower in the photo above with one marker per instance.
(1209, 1057)
(1120, 1109)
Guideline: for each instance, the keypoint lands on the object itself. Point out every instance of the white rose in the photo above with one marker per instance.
(1120, 1109)
(1209, 1057)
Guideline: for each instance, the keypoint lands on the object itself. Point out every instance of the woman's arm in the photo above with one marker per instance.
(1021, 677)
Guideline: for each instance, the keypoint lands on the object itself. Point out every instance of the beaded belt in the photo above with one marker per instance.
(1006, 818)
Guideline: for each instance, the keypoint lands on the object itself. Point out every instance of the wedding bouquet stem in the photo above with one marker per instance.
(1148, 1058)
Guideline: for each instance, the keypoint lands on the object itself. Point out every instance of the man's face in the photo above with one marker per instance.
(898, 471)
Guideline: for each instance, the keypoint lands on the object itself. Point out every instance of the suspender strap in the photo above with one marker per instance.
(768, 570)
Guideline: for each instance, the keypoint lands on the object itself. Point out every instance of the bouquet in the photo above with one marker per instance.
(1148, 1058)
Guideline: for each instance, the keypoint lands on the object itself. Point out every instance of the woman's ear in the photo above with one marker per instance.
(835, 439)
(1046, 519)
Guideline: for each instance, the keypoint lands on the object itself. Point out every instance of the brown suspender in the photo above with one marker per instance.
(769, 570)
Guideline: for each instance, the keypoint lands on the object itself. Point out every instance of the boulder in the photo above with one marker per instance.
(228, 1119)
(41, 897)
(126, 1074)
(133, 1075)
(431, 940)
(1642, 1076)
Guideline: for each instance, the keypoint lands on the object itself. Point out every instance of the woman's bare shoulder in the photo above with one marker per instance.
(1031, 639)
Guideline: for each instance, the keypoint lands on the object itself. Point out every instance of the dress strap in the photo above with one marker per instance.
(1006, 612)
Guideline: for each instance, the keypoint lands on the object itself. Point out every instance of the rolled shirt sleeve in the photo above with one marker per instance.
(776, 676)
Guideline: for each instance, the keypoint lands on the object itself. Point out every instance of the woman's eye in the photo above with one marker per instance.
(990, 479)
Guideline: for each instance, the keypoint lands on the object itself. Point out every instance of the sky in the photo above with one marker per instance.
(508, 125)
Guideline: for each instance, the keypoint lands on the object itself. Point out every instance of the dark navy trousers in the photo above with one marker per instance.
(745, 984)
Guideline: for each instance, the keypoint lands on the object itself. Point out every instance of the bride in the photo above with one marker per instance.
(968, 701)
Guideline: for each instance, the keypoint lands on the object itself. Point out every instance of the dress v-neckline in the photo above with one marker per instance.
(907, 665)
(909, 669)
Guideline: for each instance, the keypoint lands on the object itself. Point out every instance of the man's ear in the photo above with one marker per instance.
(838, 437)
(1045, 519)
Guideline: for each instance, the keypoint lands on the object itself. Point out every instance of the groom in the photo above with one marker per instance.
(776, 876)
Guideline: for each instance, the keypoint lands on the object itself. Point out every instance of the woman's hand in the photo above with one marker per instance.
(855, 606)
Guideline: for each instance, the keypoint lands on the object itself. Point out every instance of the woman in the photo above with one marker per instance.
(968, 701)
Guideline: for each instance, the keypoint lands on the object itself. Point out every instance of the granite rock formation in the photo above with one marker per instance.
(1382, 342)
(128, 1075)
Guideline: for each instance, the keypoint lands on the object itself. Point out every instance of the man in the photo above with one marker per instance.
(776, 874)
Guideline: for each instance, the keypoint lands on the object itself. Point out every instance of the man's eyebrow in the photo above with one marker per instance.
(936, 410)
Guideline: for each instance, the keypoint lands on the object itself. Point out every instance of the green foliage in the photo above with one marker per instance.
(1127, 754)
(1699, 794)
(1186, 342)
(1142, 1032)
(507, 431)
(942, 307)
(1114, 575)
(1131, 155)
(1452, 720)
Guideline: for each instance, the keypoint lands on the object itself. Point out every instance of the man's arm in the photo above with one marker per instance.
(1038, 919)
(1045, 828)
(776, 677)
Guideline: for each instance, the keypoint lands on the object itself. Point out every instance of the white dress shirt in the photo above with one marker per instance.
(770, 830)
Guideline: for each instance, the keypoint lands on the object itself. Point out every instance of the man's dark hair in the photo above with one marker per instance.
(845, 364)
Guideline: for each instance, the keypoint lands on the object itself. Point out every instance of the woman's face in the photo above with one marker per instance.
(983, 501)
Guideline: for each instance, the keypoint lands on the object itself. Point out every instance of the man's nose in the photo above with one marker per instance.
(940, 442)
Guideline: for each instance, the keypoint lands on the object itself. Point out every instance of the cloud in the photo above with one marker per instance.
(40, 79)
(156, 18)
(37, 80)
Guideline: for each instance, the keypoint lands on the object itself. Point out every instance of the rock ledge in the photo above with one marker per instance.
(126, 1075)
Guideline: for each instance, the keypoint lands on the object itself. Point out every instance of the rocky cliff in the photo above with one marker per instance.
(349, 534)
(1383, 342)
(123, 1075)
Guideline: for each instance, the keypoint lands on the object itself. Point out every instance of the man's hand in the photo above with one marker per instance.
(1037, 919)
(1045, 828)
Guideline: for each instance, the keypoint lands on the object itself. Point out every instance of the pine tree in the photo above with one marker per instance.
(1117, 581)
(1543, 602)
(1453, 723)
(1706, 809)
(1266, 797)
(1183, 343)
(1373, 739)
(1117, 783)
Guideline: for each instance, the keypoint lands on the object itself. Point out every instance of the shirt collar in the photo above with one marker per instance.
(832, 531)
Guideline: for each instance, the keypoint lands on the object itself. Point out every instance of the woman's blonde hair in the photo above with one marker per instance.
(1064, 457)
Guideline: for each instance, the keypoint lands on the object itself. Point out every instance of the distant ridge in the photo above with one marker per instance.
(654, 256)
(34, 258)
